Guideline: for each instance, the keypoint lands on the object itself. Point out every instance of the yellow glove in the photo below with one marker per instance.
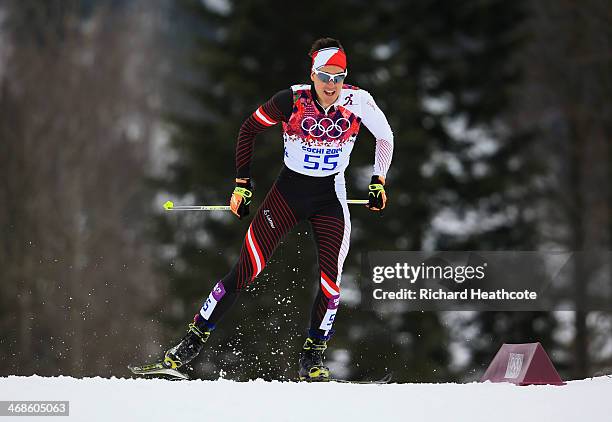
(377, 195)
(241, 198)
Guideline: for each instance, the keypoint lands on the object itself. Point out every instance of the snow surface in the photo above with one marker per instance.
(117, 399)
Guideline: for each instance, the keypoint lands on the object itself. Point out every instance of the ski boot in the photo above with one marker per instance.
(311, 361)
(190, 346)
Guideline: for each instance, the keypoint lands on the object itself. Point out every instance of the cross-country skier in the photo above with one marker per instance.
(320, 125)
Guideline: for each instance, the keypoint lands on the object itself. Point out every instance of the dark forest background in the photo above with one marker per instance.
(502, 115)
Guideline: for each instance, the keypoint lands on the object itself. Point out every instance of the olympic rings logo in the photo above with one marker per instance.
(325, 126)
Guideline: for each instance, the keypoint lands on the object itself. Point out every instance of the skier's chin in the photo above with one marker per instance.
(329, 96)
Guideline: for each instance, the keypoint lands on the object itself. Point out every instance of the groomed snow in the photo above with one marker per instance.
(116, 399)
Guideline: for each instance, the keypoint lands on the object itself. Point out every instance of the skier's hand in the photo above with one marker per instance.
(377, 195)
(241, 198)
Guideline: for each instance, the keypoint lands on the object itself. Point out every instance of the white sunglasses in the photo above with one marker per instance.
(326, 77)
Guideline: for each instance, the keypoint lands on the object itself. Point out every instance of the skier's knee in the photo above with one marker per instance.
(329, 286)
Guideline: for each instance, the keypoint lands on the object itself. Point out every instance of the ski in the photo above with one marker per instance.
(384, 380)
(158, 370)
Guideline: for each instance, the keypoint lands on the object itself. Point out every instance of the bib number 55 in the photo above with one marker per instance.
(325, 162)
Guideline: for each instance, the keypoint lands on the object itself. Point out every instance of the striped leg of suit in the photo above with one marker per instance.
(293, 198)
(273, 220)
(332, 229)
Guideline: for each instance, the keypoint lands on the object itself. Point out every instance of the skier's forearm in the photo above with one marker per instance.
(383, 156)
(376, 122)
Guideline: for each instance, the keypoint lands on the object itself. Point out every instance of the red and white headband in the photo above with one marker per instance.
(329, 56)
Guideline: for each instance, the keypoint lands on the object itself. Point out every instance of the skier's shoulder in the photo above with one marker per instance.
(357, 94)
(356, 99)
(283, 100)
(349, 87)
(356, 91)
(298, 88)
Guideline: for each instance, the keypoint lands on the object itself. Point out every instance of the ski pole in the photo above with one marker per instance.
(169, 206)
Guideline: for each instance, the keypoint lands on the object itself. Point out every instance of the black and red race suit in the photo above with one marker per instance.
(310, 186)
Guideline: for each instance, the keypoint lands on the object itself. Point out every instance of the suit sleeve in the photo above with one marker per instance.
(376, 122)
(276, 109)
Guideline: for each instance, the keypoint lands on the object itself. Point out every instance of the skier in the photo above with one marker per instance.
(320, 124)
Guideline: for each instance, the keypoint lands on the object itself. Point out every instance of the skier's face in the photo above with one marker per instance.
(327, 92)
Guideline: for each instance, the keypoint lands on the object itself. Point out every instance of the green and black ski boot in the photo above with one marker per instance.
(188, 348)
(311, 361)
